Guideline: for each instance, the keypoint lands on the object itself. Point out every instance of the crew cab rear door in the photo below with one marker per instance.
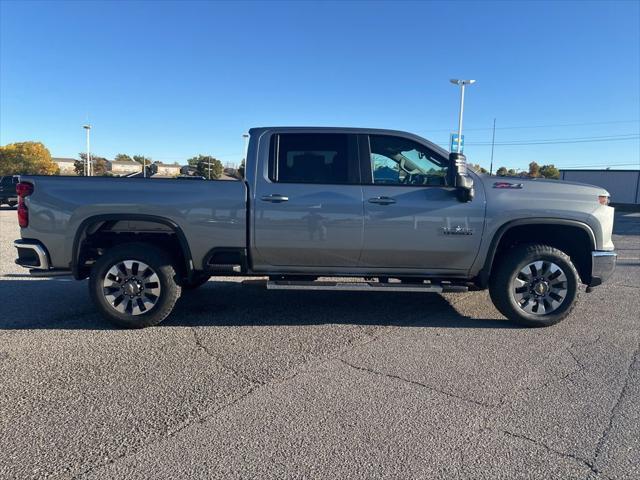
(308, 209)
(413, 219)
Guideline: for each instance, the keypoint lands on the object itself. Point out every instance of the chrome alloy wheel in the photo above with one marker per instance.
(131, 287)
(540, 287)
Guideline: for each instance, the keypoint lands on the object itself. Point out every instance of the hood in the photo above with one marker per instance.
(541, 185)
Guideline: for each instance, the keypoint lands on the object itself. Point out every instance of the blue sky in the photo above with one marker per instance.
(172, 80)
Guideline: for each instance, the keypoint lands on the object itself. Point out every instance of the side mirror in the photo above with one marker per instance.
(459, 178)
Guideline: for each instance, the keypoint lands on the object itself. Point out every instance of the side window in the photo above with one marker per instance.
(313, 158)
(399, 161)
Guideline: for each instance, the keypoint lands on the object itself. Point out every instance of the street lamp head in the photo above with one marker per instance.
(245, 135)
(87, 127)
(462, 82)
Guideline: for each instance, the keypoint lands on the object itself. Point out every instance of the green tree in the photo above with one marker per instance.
(534, 170)
(207, 166)
(100, 165)
(512, 172)
(241, 169)
(550, 171)
(26, 158)
(477, 168)
(502, 172)
(121, 157)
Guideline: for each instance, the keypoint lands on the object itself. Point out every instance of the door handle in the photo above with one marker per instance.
(382, 200)
(274, 198)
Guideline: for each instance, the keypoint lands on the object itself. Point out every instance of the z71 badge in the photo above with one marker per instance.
(457, 230)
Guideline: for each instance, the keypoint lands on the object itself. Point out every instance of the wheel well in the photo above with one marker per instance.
(572, 240)
(97, 236)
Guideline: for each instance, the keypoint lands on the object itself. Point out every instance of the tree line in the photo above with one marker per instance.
(33, 158)
(535, 171)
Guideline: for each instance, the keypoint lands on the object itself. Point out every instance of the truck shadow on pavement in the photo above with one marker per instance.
(58, 304)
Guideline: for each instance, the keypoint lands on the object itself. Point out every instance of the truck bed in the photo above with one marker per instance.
(209, 213)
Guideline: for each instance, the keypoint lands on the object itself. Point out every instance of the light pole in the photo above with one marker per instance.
(462, 84)
(493, 143)
(246, 145)
(87, 167)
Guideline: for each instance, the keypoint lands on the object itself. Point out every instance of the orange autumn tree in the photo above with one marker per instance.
(26, 158)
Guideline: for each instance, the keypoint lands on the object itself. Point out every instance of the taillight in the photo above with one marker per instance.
(603, 199)
(23, 190)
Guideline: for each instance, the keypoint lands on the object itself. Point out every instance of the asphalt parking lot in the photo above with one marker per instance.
(245, 383)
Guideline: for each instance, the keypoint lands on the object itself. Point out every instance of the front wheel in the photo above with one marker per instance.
(535, 285)
(134, 285)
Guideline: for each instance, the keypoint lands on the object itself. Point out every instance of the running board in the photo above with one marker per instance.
(223, 268)
(366, 286)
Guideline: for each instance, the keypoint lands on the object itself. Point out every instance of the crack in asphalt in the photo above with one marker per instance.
(575, 359)
(419, 384)
(550, 449)
(169, 433)
(201, 346)
(201, 419)
(615, 408)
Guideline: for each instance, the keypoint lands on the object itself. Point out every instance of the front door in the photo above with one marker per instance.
(308, 212)
(413, 220)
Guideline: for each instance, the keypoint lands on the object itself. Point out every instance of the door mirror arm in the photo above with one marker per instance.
(460, 178)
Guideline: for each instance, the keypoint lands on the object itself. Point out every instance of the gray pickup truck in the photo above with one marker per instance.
(323, 209)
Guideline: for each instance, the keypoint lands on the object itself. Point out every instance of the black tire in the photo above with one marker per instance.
(161, 264)
(197, 281)
(503, 295)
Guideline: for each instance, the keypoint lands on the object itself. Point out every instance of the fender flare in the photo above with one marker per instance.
(82, 228)
(485, 272)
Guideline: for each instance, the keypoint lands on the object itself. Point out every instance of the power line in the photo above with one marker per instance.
(554, 141)
(601, 165)
(582, 124)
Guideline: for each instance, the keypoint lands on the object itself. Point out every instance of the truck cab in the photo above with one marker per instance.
(324, 200)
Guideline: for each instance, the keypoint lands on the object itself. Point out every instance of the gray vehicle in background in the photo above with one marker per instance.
(383, 210)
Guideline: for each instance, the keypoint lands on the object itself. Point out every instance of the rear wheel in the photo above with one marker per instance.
(535, 285)
(134, 285)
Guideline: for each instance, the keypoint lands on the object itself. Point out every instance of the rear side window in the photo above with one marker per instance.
(322, 158)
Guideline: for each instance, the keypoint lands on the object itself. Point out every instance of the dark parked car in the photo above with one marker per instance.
(8, 190)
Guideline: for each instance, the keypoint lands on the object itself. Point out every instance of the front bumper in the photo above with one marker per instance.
(603, 264)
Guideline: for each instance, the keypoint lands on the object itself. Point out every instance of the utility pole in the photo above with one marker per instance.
(87, 164)
(493, 142)
(462, 84)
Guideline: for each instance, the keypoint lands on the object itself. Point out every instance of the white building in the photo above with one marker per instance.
(124, 167)
(66, 165)
(167, 170)
(622, 185)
